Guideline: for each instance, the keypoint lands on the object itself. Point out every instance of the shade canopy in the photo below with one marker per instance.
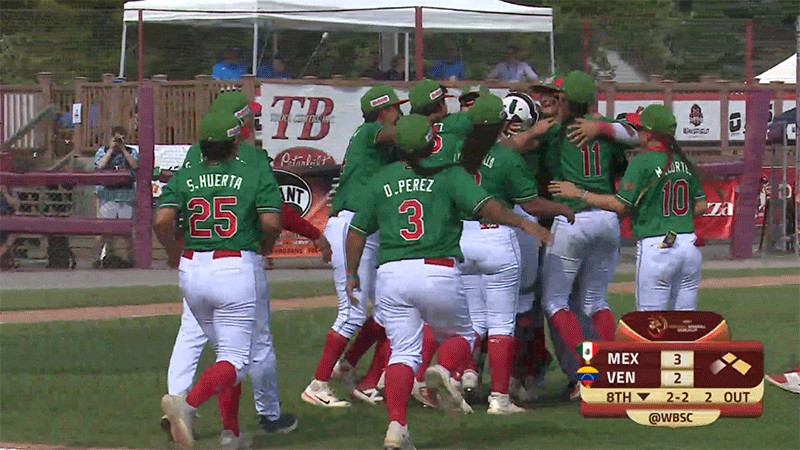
(347, 15)
(786, 72)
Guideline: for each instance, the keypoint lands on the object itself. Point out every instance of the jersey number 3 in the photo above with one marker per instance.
(416, 226)
(201, 211)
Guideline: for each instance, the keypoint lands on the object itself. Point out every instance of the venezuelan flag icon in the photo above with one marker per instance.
(587, 375)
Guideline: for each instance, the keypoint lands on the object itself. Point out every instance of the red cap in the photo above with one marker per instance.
(634, 119)
(255, 108)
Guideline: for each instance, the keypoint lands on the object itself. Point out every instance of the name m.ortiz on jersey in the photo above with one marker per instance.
(409, 185)
(214, 180)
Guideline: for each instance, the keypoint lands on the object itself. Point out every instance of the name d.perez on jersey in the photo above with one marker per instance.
(213, 180)
(294, 190)
(409, 185)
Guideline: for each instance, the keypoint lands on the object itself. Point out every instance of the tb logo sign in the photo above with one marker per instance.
(307, 111)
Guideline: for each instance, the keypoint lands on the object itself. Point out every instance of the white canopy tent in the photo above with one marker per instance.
(438, 16)
(786, 72)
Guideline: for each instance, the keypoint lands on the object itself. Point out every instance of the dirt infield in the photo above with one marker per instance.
(166, 309)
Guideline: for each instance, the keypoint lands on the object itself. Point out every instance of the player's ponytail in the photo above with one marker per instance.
(477, 145)
(217, 150)
(414, 161)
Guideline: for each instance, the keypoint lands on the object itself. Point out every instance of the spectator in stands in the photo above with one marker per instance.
(229, 68)
(512, 69)
(451, 68)
(374, 69)
(397, 71)
(275, 70)
(115, 202)
(9, 204)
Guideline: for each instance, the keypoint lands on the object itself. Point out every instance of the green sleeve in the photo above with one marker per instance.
(268, 198)
(521, 179)
(365, 222)
(631, 184)
(370, 136)
(465, 193)
(696, 188)
(170, 197)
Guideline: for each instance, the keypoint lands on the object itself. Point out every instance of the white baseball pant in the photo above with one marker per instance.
(350, 318)
(582, 259)
(220, 289)
(668, 278)
(414, 292)
(529, 266)
(491, 283)
(191, 340)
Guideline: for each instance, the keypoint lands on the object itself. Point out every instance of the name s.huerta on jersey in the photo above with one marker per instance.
(217, 213)
(408, 231)
(661, 201)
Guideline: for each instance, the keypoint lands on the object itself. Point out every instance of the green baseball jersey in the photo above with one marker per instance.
(220, 203)
(506, 177)
(247, 152)
(661, 198)
(450, 134)
(364, 158)
(418, 217)
(593, 167)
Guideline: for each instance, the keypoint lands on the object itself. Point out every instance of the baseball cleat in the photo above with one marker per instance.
(165, 427)
(180, 416)
(437, 379)
(319, 393)
(539, 373)
(371, 395)
(397, 437)
(423, 395)
(286, 423)
(470, 384)
(519, 392)
(789, 381)
(574, 390)
(501, 404)
(229, 441)
(345, 374)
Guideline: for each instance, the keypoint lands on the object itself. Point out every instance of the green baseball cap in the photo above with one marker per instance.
(219, 127)
(414, 132)
(579, 87)
(378, 98)
(550, 85)
(426, 92)
(476, 90)
(488, 110)
(658, 119)
(233, 102)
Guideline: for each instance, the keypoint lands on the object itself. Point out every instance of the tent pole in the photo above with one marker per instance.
(407, 61)
(255, 47)
(552, 54)
(419, 43)
(122, 51)
(141, 49)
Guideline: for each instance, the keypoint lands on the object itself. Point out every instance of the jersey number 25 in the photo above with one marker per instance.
(201, 211)
(416, 226)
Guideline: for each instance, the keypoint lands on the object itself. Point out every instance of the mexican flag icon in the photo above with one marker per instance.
(587, 350)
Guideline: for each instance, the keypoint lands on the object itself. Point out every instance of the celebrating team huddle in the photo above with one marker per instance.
(463, 231)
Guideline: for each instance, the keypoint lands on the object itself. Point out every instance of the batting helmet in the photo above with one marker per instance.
(520, 107)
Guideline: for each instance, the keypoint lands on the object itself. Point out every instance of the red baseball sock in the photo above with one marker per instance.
(383, 351)
(334, 347)
(537, 350)
(228, 401)
(399, 382)
(569, 328)
(454, 353)
(369, 333)
(520, 358)
(213, 381)
(501, 356)
(605, 324)
(429, 347)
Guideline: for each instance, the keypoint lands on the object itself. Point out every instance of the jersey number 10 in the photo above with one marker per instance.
(676, 198)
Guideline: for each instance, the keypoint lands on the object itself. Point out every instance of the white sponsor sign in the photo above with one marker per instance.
(168, 157)
(697, 120)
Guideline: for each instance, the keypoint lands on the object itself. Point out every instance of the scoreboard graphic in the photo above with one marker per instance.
(674, 384)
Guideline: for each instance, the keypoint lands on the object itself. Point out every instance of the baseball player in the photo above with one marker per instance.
(582, 259)
(370, 149)
(417, 208)
(191, 340)
(221, 272)
(491, 252)
(662, 194)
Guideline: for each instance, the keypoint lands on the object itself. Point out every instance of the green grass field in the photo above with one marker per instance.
(99, 384)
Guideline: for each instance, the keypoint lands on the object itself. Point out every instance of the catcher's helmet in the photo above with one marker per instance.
(520, 107)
